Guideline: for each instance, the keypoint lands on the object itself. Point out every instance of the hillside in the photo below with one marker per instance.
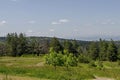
(41, 39)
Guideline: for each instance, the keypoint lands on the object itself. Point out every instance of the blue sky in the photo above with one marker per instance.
(76, 19)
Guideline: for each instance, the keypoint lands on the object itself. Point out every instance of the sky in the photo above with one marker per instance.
(74, 19)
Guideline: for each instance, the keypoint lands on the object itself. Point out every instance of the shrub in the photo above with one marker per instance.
(83, 59)
(58, 59)
(99, 64)
(92, 64)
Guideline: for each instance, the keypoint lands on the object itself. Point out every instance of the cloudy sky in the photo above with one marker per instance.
(74, 19)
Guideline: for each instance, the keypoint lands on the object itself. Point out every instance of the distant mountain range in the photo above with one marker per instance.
(41, 39)
(94, 38)
(83, 42)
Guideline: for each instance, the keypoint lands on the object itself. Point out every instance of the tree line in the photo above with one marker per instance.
(19, 45)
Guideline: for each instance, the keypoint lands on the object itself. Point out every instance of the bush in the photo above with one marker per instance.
(84, 59)
(71, 60)
(58, 59)
(99, 64)
(92, 64)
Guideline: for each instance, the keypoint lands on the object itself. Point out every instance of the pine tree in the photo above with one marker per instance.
(12, 40)
(112, 51)
(22, 44)
(103, 49)
(55, 44)
(93, 51)
(68, 46)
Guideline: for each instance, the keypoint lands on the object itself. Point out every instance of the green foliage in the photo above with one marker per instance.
(112, 51)
(18, 43)
(71, 47)
(92, 64)
(70, 60)
(12, 40)
(68, 46)
(83, 59)
(27, 67)
(93, 51)
(103, 50)
(55, 44)
(66, 52)
(59, 59)
(22, 44)
(35, 47)
(99, 65)
(5, 49)
(55, 59)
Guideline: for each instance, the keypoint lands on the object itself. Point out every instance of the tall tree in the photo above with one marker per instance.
(112, 51)
(93, 51)
(34, 47)
(103, 45)
(22, 44)
(68, 46)
(45, 47)
(55, 44)
(17, 43)
(5, 49)
(12, 40)
(75, 47)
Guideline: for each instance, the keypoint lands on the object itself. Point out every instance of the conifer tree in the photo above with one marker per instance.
(112, 51)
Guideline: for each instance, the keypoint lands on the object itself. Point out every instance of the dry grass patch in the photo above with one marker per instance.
(9, 77)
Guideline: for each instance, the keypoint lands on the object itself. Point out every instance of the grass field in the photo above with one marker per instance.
(33, 68)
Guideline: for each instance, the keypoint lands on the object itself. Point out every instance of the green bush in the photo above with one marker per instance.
(99, 64)
(92, 64)
(59, 59)
(70, 60)
(84, 59)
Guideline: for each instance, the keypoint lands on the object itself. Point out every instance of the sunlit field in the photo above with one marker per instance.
(34, 68)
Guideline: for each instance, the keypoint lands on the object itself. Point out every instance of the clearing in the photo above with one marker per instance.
(34, 68)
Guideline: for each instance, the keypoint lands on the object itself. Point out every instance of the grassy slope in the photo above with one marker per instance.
(27, 67)
(9, 77)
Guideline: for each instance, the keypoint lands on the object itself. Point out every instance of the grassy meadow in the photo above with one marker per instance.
(34, 68)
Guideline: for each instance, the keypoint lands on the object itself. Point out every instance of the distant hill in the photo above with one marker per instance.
(81, 42)
(41, 39)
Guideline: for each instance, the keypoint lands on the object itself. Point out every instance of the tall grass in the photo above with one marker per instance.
(26, 67)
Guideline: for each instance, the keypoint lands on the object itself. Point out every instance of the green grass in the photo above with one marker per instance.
(35, 67)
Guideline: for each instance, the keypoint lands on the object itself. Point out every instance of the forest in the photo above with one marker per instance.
(19, 45)
(58, 59)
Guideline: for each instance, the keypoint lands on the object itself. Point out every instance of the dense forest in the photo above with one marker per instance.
(59, 51)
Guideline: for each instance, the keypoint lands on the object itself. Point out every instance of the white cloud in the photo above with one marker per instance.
(3, 22)
(54, 23)
(75, 30)
(113, 23)
(88, 24)
(32, 22)
(104, 23)
(29, 31)
(108, 23)
(51, 30)
(61, 21)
